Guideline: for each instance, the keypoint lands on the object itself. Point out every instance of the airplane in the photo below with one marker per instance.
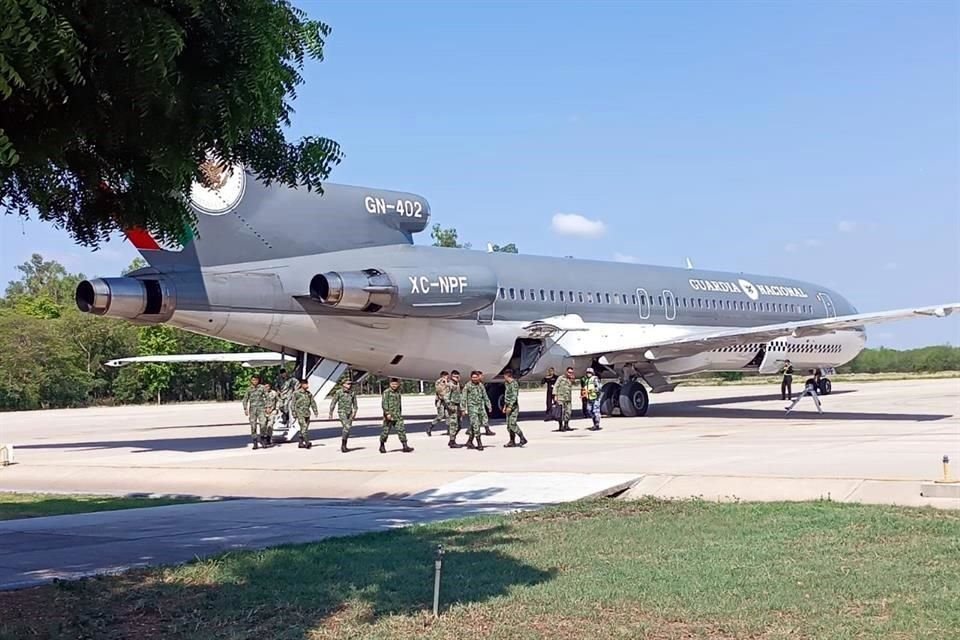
(334, 281)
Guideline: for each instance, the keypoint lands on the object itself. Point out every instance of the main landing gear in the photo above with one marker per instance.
(630, 399)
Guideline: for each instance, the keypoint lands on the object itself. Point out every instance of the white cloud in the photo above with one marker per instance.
(574, 224)
(621, 257)
(812, 242)
(847, 226)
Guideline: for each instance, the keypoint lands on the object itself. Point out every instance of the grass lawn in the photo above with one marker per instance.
(34, 505)
(603, 569)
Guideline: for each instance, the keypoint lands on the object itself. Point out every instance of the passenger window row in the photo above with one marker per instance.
(598, 297)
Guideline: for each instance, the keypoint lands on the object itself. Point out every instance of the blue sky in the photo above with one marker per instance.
(810, 140)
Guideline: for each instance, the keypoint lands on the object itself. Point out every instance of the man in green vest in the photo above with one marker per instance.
(511, 409)
(563, 396)
(591, 390)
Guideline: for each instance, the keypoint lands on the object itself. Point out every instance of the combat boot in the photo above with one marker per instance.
(487, 431)
(343, 445)
(453, 443)
(513, 441)
(301, 445)
(265, 442)
(383, 445)
(470, 442)
(307, 445)
(256, 444)
(407, 448)
(523, 439)
(479, 444)
(430, 429)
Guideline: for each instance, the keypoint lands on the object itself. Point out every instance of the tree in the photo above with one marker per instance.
(446, 238)
(111, 110)
(136, 263)
(157, 339)
(507, 248)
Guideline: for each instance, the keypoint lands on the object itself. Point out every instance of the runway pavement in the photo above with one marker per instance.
(877, 442)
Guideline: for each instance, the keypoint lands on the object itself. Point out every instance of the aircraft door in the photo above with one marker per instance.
(669, 305)
(643, 304)
(827, 304)
(486, 316)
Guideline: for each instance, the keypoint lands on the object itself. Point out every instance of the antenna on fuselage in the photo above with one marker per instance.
(689, 264)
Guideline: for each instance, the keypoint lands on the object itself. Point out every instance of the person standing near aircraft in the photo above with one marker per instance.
(474, 399)
(392, 404)
(286, 385)
(810, 388)
(454, 399)
(303, 404)
(550, 379)
(269, 413)
(591, 390)
(488, 408)
(563, 396)
(786, 385)
(584, 401)
(345, 401)
(511, 409)
(440, 391)
(254, 402)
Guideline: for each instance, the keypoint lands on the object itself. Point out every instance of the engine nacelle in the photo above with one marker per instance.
(147, 300)
(446, 292)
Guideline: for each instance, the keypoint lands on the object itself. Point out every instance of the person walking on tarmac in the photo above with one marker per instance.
(488, 406)
(392, 405)
(345, 401)
(584, 401)
(592, 393)
(786, 385)
(286, 386)
(473, 399)
(440, 391)
(550, 379)
(511, 409)
(302, 405)
(810, 388)
(254, 403)
(269, 411)
(563, 396)
(454, 400)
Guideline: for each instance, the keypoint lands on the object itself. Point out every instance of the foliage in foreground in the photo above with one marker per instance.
(603, 569)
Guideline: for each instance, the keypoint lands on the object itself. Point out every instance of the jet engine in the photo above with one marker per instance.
(446, 292)
(148, 300)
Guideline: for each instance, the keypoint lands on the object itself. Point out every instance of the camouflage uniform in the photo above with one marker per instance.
(302, 404)
(287, 387)
(511, 397)
(345, 402)
(454, 408)
(476, 401)
(254, 403)
(562, 395)
(392, 404)
(485, 415)
(441, 388)
(270, 413)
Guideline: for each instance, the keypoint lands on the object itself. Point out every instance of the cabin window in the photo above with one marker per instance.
(523, 294)
(580, 297)
(570, 294)
(543, 295)
(561, 297)
(606, 297)
(503, 294)
(513, 293)
(589, 297)
(553, 295)
(634, 298)
(599, 298)
(616, 298)
(660, 301)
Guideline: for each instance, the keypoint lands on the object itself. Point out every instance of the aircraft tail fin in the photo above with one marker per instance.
(244, 220)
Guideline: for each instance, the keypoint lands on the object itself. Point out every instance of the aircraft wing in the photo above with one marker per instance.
(262, 359)
(626, 349)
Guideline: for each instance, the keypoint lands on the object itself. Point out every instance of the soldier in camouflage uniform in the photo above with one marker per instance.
(454, 408)
(473, 399)
(440, 390)
(254, 401)
(345, 401)
(562, 395)
(488, 406)
(392, 404)
(269, 412)
(511, 408)
(301, 405)
(286, 385)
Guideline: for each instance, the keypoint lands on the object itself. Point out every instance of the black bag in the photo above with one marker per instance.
(556, 412)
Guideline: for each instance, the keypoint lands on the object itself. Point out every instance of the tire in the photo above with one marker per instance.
(634, 400)
(826, 387)
(609, 398)
(496, 391)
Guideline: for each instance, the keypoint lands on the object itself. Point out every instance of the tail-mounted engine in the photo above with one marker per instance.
(436, 293)
(148, 300)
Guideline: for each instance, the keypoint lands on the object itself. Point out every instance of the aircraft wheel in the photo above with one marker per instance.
(826, 387)
(634, 400)
(609, 395)
(496, 391)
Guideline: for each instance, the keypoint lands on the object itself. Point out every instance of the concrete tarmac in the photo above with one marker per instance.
(876, 442)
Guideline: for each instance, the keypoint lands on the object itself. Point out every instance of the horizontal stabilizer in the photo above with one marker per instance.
(263, 359)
